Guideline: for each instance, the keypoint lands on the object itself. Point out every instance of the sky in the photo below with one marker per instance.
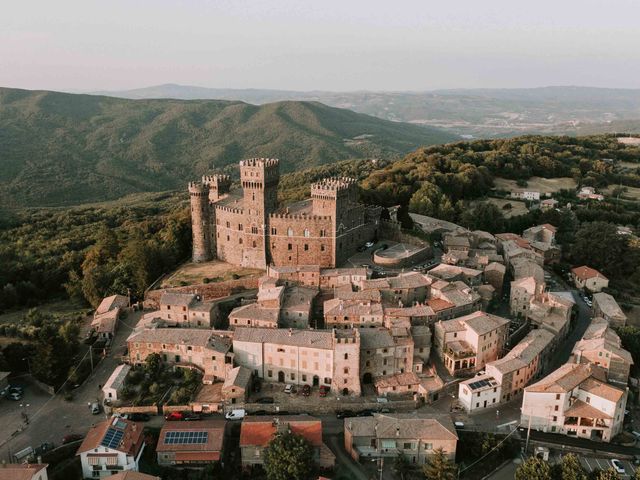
(89, 45)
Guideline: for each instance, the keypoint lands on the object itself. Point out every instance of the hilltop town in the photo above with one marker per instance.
(336, 327)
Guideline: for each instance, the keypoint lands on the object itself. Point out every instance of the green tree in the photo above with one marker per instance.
(484, 216)
(571, 468)
(534, 468)
(439, 467)
(153, 365)
(609, 474)
(401, 465)
(288, 457)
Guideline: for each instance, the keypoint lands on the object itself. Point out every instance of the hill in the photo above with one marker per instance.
(481, 113)
(63, 149)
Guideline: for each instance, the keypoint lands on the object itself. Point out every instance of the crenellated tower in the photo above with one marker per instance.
(200, 221)
(219, 186)
(259, 178)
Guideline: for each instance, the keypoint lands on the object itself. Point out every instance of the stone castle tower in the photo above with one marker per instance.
(200, 221)
(346, 361)
(259, 178)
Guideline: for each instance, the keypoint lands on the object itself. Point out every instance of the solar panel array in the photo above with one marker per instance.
(480, 384)
(184, 438)
(112, 438)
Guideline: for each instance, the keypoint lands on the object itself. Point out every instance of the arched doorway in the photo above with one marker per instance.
(316, 381)
(281, 376)
(345, 391)
(367, 378)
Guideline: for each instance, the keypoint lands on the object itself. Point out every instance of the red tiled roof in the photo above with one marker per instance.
(131, 441)
(549, 227)
(258, 431)
(438, 304)
(197, 456)
(585, 273)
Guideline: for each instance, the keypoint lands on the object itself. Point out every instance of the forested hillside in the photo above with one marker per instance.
(64, 149)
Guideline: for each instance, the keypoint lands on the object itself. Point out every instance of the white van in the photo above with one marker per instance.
(237, 414)
(95, 408)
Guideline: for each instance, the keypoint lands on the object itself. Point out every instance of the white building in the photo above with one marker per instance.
(575, 400)
(111, 447)
(115, 382)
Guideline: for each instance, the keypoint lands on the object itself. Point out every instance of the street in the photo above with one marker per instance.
(51, 418)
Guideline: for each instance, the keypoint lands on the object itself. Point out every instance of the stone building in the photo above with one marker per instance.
(601, 346)
(385, 352)
(575, 400)
(605, 306)
(415, 435)
(590, 279)
(247, 228)
(339, 313)
(314, 357)
(467, 343)
(186, 310)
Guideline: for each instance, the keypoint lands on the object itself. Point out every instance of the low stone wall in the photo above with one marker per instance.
(176, 408)
(148, 409)
(208, 291)
(329, 406)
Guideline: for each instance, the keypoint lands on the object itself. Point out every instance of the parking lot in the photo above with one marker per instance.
(591, 464)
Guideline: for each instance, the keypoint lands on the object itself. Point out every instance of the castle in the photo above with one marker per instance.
(246, 227)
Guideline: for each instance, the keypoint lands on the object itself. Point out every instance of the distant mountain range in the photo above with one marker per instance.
(62, 149)
(472, 112)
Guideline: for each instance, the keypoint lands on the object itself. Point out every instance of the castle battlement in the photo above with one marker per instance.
(260, 162)
(224, 208)
(333, 186)
(216, 178)
(198, 189)
(299, 216)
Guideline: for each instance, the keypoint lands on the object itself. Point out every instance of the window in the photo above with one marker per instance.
(254, 244)
(306, 247)
(240, 227)
(228, 225)
(274, 231)
(289, 232)
(289, 247)
(346, 356)
(407, 445)
(346, 370)
(322, 232)
(588, 399)
(428, 446)
(270, 373)
(555, 409)
(557, 396)
(555, 419)
(254, 230)
(322, 248)
(240, 240)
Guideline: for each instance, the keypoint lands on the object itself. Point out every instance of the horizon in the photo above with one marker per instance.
(87, 46)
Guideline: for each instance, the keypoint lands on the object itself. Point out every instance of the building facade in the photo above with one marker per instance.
(246, 227)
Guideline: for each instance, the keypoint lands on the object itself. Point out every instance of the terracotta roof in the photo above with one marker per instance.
(260, 430)
(525, 352)
(399, 425)
(585, 273)
(254, 311)
(581, 409)
(438, 304)
(285, 336)
(112, 302)
(186, 336)
(238, 377)
(20, 471)
(565, 378)
(213, 428)
(132, 438)
(182, 299)
(601, 389)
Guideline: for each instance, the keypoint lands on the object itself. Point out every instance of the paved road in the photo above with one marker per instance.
(51, 418)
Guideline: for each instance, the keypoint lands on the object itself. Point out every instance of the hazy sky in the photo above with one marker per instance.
(322, 44)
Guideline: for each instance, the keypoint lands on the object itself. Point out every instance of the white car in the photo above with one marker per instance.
(237, 414)
(369, 244)
(288, 388)
(617, 465)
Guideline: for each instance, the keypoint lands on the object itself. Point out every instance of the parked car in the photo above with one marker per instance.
(72, 437)
(15, 396)
(365, 413)
(289, 388)
(190, 417)
(324, 390)
(265, 400)
(173, 416)
(345, 414)
(139, 417)
(95, 408)
(369, 244)
(16, 388)
(44, 447)
(617, 465)
(306, 390)
(236, 414)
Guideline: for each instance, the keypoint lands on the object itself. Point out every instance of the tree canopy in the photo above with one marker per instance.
(288, 457)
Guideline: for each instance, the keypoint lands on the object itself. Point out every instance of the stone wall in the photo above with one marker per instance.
(208, 291)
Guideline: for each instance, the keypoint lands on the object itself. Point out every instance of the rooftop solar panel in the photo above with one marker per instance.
(112, 438)
(185, 437)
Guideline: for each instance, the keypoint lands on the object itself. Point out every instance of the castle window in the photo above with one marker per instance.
(306, 247)
(290, 232)
(228, 225)
(274, 231)
(273, 246)
(253, 196)
(227, 238)
(322, 248)
(322, 232)
(254, 230)
(240, 240)
(240, 227)
(306, 232)
(289, 246)
(254, 244)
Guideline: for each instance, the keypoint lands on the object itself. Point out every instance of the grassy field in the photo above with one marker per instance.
(539, 184)
(632, 193)
(517, 207)
(62, 309)
(195, 273)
